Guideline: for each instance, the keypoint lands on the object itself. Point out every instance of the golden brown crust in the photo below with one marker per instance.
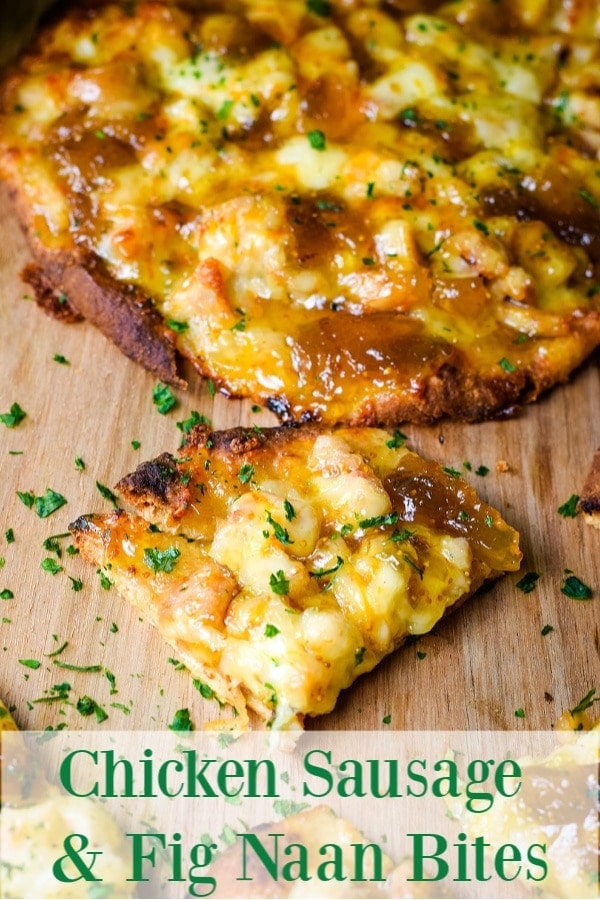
(589, 501)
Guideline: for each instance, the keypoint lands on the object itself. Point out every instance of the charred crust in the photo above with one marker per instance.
(157, 480)
(120, 311)
(237, 441)
(52, 301)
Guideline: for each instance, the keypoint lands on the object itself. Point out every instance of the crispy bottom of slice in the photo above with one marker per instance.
(283, 563)
(364, 217)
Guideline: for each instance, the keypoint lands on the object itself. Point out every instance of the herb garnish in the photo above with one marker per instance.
(14, 417)
(585, 702)
(279, 531)
(568, 510)
(319, 573)
(107, 494)
(181, 721)
(279, 584)
(246, 473)
(163, 398)
(376, 521)
(528, 582)
(161, 560)
(575, 589)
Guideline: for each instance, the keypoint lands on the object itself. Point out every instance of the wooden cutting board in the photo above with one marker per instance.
(486, 661)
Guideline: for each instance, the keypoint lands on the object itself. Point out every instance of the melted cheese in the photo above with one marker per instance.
(274, 178)
(300, 564)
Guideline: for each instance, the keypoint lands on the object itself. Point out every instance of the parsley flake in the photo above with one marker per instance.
(79, 464)
(48, 503)
(568, 510)
(181, 721)
(290, 512)
(161, 560)
(6, 594)
(278, 583)
(176, 326)
(50, 565)
(163, 398)
(376, 521)
(59, 358)
(528, 582)
(575, 589)
(194, 418)
(546, 630)
(271, 630)
(246, 473)
(281, 533)
(320, 8)
(505, 364)
(76, 584)
(30, 663)
(585, 702)
(317, 139)
(14, 417)
(107, 493)
(319, 573)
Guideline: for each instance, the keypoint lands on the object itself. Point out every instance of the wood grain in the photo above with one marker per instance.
(483, 663)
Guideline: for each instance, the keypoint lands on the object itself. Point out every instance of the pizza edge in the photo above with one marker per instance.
(589, 501)
(125, 315)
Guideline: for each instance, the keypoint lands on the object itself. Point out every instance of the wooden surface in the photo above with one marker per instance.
(483, 663)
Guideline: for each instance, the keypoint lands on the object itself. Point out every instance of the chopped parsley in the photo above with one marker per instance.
(87, 707)
(163, 398)
(136, 445)
(546, 630)
(585, 195)
(278, 583)
(520, 713)
(387, 719)
(320, 8)
(107, 493)
(194, 418)
(204, 689)
(290, 512)
(6, 594)
(370, 190)
(453, 473)
(568, 510)
(407, 559)
(112, 681)
(10, 536)
(181, 721)
(317, 139)
(528, 582)
(27, 498)
(50, 565)
(319, 573)
(14, 417)
(179, 327)
(505, 364)
(575, 589)
(421, 654)
(397, 440)
(398, 537)
(246, 473)
(48, 503)
(288, 807)
(271, 630)
(481, 226)
(376, 521)
(585, 702)
(30, 663)
(59, 358)
(211, 388)
(79, 464)
(161, 560)
(359, 655)
(281, 533)
(482, 471)
(105, 582)
(74, 668)
(76, 584)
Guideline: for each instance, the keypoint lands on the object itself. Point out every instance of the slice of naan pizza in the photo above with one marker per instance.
(282, 563)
